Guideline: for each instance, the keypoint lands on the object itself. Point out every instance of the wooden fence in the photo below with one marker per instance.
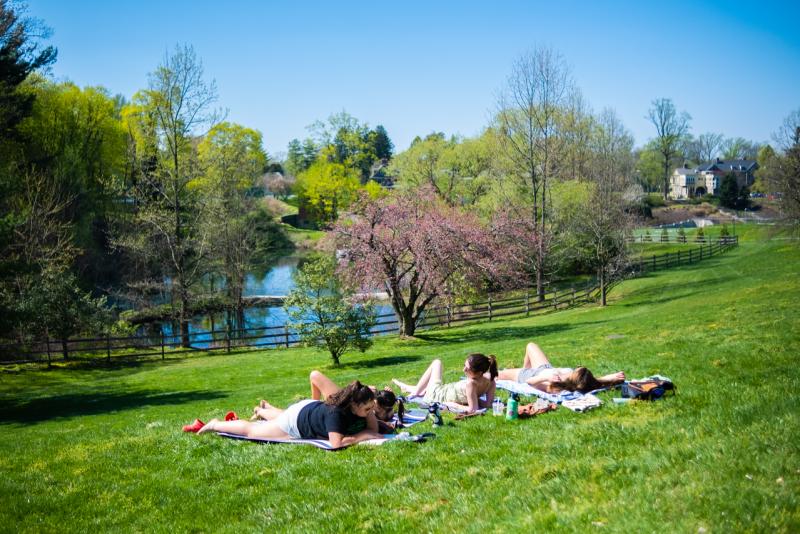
(514, 303)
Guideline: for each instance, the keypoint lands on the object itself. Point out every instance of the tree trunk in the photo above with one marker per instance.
(64, 349)
(407, 323)
(602, 287)
(184, 321)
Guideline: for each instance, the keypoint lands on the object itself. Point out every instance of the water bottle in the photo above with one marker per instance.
(511, 409)
(497, 407)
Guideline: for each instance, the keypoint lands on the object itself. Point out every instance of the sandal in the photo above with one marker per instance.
(194, 427)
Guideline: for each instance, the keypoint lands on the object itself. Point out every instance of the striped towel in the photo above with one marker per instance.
(319, 443)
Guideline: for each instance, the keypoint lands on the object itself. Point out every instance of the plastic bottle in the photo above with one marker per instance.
(511, 409)
(497, 407)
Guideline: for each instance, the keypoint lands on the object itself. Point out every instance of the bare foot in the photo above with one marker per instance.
(264, 404)
(405, 388)
(209, 426)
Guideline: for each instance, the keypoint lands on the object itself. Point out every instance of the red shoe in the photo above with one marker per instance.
(194, 427)
(231, 416)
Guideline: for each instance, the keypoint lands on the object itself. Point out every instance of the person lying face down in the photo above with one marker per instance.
(537, 371)
(385, 400)
(324, 387)
(346, 417)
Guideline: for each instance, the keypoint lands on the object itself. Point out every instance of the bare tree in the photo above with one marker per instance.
(788, 134)
(529, 123)
(165, 122)
(671, 127)
(607, 221)
(706, 147)
(788, 175)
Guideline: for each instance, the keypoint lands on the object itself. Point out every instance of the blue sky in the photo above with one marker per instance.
(418, 67)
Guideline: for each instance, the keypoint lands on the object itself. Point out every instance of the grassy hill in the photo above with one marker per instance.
(101, 448)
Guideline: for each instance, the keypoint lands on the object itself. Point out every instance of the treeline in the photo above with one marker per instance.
(103, 200)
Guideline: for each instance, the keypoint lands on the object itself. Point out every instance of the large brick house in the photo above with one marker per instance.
(687, 183)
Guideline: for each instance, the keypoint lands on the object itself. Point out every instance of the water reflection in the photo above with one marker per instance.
(258, 325)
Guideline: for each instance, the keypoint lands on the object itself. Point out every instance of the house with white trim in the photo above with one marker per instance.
(687, 183)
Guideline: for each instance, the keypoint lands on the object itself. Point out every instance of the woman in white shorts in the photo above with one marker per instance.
(344, 418)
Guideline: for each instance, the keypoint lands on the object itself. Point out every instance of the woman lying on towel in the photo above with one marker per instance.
(324, 387)
(346, 417)
(464, 394)
(538, 372)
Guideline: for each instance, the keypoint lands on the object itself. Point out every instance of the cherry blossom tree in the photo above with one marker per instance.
(415, 246)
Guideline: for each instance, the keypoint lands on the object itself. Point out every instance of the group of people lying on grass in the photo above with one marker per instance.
(358, 412)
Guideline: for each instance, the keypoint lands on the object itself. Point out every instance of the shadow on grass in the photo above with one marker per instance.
(668, 293)
(496, 334)
(381, 362)
(80, 404)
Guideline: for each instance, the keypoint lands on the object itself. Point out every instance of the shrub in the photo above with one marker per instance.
(724, 231)
(655, 200)
(664, 235)
(700, 236)
(681, 235)
(646, 236)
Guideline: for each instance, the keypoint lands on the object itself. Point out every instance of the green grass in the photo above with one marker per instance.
(100, 448)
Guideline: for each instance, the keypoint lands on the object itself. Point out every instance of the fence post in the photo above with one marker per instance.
(286, 333)
(108, 347)
(49, 361)
(162, 343)
(573, 297)
(654, 262)
(527, 303)
(449, 312)
(690, 255)
(555, 299)
(228, 337)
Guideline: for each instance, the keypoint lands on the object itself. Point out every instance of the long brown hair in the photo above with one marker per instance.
(354, 393)
(482, 363)
(581, 379)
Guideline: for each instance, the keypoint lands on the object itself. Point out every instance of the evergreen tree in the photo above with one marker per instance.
(729, 191)
(20, 55)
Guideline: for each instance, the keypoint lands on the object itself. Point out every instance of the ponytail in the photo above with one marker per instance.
(353, 393)
(493, 366)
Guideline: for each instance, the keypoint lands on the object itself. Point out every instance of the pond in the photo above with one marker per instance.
(267, 321)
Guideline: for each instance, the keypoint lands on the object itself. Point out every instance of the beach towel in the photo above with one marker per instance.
(319, 443)
(526, 389)
(443, 406)
(411, 417)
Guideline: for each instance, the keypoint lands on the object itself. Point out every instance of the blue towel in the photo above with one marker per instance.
(320, 443)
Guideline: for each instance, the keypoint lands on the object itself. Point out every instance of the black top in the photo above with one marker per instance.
(317, 419)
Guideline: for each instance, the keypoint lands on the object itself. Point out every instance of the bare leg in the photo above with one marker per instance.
(267, 411)
(534, 356)
(433, 372)
(508, 374)
(321, 385)
(270, 429)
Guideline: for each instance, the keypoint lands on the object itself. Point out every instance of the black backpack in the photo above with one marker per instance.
(647, 389)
